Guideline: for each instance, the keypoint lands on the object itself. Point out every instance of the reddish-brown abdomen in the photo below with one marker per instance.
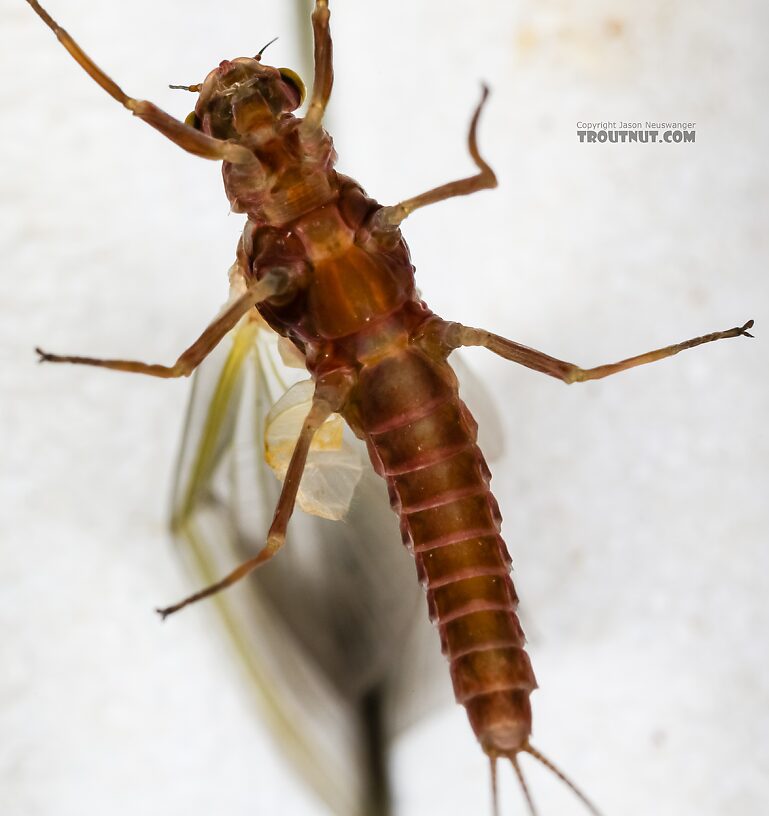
(422, 440)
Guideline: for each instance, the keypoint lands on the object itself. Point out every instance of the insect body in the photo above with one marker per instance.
(327, 268)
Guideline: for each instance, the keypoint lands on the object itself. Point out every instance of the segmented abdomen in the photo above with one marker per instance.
(422, 439)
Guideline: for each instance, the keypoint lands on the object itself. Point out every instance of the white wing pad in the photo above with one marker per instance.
(334, 466)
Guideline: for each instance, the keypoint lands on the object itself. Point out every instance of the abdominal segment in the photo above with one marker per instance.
(422, 440)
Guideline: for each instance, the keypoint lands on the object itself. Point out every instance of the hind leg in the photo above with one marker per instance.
(329, 397)
(450, 336)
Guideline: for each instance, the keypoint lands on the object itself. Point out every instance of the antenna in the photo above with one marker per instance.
(258, 57)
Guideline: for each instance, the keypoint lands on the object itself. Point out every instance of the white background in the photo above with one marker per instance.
(635, 508)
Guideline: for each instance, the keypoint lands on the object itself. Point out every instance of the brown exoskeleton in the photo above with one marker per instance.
(327, 268)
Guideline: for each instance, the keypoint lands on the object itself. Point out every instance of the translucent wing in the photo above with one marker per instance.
(331, 629)
(472, 389)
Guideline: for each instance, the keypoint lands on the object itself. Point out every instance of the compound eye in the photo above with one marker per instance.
(294, 80)
(192, 120)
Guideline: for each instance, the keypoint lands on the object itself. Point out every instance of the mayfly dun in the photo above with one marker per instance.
(326, 268)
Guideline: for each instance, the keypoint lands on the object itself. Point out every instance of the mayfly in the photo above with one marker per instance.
(327, 268)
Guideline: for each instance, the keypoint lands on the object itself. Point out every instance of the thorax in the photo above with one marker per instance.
(351, 289)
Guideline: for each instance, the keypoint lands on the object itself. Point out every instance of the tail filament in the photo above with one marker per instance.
(524, 786)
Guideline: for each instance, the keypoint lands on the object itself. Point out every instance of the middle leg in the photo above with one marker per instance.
(389, 218)
(273, 283)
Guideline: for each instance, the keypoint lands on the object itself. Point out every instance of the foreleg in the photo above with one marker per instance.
(187, 137)
(324, 67)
